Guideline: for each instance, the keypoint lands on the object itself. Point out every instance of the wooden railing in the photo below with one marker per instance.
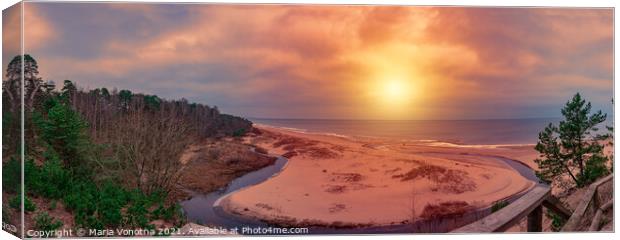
(592, 206)
(529, 205)
(587, 216)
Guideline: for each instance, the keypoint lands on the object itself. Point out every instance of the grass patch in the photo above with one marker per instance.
(499, 205)
(445, 209)
(43, 222)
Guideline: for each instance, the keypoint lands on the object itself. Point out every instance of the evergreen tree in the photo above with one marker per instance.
(64, 131)
(572, 148)
(69, 90)
(125, 98)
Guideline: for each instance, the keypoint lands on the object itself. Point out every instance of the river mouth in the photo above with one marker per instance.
(200, 208)
(203, 208)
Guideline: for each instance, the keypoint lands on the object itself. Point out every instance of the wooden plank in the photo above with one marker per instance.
(596, 221)
(511, 214)
(534, 220)
(574, 221)
(552, 203)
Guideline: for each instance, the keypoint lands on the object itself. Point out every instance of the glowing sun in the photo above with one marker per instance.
(394, 91)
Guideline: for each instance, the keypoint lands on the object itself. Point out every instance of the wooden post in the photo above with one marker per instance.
(534, 220)
(589, 201)
(516, 211)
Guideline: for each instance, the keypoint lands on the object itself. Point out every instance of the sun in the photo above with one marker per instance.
(393, 95)
(394, 91)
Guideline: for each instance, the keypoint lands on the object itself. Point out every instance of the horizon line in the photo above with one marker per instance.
(361, 119)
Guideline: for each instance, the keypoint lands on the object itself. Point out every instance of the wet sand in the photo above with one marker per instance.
(334, 180)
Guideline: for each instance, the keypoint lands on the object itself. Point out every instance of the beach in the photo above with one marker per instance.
(342, 181)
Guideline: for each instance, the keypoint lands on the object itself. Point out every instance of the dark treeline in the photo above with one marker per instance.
(102, 109)
(100, 151)
(148, 134)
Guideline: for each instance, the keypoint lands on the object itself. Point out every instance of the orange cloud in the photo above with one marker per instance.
(37, 29)
(11, 34)
(330, 56)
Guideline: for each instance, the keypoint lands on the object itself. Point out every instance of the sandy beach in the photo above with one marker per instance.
(343, 181)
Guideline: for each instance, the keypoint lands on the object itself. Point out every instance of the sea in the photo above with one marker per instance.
(465, 132)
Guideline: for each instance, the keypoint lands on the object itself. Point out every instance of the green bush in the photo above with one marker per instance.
(54, 179)
(595, 168)
(43, 222)
(16, 201)
(498, 205)
(557, 222)
(239, 132)
(172, 212)
(112, 199)
(11, 175)
(7, 123)
(32, 176)
(99, 207)
(137, 212)
(81, 199)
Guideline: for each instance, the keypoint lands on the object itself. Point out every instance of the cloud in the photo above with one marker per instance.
(272, 60)
(11, 34)
(38, 31)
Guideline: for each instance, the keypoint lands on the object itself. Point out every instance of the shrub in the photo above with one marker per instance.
(172, 212)
(498, 205)
(9, 127)
(137, 212)
(32, 175)
(16, 201)
(54, 180)
(95, 207)
(11, 175)
(239, 132)
(81, 200)
(445, 209)
(112, 199)
(99, 207)
(44, 222)
(595, 168)
(158, 212)
(557, 222)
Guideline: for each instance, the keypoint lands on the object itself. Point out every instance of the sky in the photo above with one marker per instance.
(328, 62)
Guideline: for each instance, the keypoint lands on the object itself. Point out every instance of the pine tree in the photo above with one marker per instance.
(572, 148)
(64, 131)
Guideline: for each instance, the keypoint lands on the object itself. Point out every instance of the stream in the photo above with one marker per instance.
(200, 208)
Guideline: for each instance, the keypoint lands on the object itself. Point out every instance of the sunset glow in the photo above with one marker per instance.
(352, 62)
(213, 120)
(395, 90)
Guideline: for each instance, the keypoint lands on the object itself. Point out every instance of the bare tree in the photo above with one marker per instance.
(149, 146)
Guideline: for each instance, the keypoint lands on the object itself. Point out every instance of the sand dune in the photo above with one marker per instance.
(353, 181)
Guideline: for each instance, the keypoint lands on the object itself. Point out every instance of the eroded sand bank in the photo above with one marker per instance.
(335, 180)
